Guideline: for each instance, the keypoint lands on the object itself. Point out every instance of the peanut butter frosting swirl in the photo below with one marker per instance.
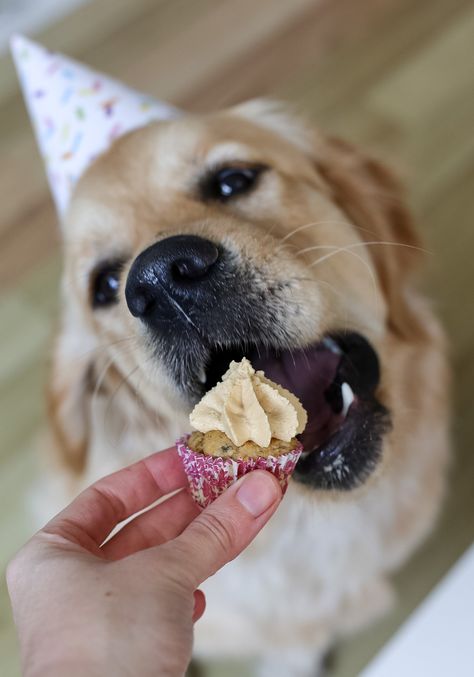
(247, 406)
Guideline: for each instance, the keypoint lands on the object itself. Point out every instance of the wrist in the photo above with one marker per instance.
(55, 654)
(58, 666)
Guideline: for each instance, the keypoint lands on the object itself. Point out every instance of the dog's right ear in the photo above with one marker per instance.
(371, 196)
(280, 118)
(70, 391)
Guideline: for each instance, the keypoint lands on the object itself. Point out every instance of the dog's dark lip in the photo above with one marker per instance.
(351, 453)
(334, 378)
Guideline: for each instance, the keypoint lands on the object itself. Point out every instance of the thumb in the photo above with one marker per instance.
(227, 526)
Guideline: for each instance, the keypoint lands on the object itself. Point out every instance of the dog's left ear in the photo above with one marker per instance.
(371, 196)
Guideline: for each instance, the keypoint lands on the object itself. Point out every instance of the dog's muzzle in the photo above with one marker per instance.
(203, 306)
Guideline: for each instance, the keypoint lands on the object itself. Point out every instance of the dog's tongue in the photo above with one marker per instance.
(307, 373)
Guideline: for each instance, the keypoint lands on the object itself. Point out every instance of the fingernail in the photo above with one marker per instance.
(257, 492)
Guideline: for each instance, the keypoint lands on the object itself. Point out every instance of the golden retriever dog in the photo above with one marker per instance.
(202, 239)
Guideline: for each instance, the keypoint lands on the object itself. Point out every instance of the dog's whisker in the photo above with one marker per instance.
(348, 250)
(395, 244)
(304, 226)
(292, 357)
(336, 250)
(124, 380)
(100, 379)
(305, 354)
(102, 375)
(386, 243)
(331, 287)
(103, 347)
(281, 247)
(324, 222)
(133, 393)
(316, 247)
(362, 244)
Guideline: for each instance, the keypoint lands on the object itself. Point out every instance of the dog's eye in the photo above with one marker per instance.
(230, 181)
(105, 284)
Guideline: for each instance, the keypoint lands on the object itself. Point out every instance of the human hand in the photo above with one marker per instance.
(127, 607)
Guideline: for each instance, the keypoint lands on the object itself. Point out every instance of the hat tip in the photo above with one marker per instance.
(16, 39)
(21, 47)
(18, 42)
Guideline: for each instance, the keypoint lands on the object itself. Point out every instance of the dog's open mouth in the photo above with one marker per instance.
(335, 379)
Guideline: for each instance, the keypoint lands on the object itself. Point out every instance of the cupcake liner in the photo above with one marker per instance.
(209, 476)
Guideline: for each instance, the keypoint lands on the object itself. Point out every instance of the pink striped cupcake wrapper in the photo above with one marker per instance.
(209, 476)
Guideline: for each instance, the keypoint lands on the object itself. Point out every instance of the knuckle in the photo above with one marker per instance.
(177, 568)
(221, 532)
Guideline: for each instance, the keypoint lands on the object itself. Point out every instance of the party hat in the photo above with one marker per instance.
(76, 112)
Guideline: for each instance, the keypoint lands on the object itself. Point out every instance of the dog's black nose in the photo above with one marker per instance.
(175, 267)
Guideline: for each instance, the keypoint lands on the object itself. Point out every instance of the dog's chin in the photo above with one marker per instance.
(336, 380)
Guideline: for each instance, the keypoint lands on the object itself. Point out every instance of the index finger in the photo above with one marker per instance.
(90, 518)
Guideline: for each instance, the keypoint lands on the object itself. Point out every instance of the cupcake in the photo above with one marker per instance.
(246, 422)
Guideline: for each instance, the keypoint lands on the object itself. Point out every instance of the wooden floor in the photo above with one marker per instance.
(393, 75)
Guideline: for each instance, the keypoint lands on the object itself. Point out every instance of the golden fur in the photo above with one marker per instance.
(332, 221)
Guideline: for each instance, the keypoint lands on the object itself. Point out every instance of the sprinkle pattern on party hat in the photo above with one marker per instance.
(76, 112)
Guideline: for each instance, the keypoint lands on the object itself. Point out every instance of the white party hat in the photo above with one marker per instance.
(76, 112)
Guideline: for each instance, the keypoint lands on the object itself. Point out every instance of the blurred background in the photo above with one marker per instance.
(395, 76)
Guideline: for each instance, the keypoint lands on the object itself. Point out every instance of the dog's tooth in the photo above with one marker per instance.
(202, 375)
(347, 398)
